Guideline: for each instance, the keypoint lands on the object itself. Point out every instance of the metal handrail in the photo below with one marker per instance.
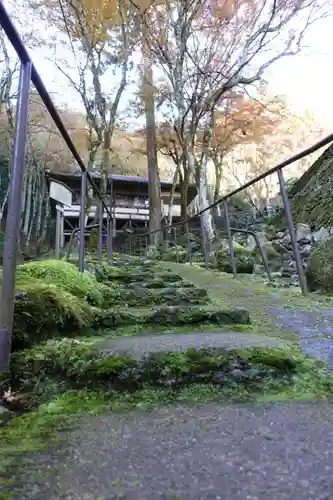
(28, 74)
(278, 169)
(305, 152)
(74, 233)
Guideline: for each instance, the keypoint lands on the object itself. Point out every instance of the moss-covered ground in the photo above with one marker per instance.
(59, 372)
(251, 292)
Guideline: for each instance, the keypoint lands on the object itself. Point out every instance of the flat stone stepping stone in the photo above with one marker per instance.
(142, 345)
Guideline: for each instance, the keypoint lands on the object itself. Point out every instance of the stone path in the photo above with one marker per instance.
(145, 344)
(206, 452)
(314, 328)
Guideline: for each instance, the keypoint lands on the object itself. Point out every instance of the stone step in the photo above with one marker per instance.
(143, 345)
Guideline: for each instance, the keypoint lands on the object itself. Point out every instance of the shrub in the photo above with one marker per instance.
(65, 276)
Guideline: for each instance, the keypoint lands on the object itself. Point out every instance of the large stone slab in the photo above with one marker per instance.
(146, 344)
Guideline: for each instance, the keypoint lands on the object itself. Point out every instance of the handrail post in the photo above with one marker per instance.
(189, 249)
(175, 238)
(204, 240)
(231, 248)
(13, 226)
(297, 256)
(82, 221)
(110, 225)
(100, 232)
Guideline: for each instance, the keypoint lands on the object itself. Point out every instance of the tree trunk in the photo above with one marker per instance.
(27, 212)
(206, 219)
(35, 196)
(172, 196)
(184, 180)
(154, 184)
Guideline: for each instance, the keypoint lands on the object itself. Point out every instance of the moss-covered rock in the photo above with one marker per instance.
(319, 272)
(176, 254)
(63, 275)
(167, 296)
(80, 364)
(244, 261)
(42, 310)
(194, 315)
(172, 315)
(158, 284)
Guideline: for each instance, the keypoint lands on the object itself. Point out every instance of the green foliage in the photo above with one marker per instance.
(44, 309)
(65, 276)
(111, 294)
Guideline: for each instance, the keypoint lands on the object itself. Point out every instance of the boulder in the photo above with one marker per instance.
(5, 415)
(176, 254)
(303, 233)
(319, 272)
(251, 242)
(244, 261)
(321, 235)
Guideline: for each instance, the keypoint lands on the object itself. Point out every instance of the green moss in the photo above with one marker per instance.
(161, 379)
(65, 276)
(80, 364)
(167, 296)
(41, 310)
(252, 293)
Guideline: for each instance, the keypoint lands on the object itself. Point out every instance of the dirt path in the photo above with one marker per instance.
(276, 452)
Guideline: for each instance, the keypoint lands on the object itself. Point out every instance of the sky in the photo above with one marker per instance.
(303, 79)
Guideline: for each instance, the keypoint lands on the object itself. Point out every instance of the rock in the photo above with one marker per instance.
(319, 272)
(180, 315)
(303, 233)
(251, 242)
(286, 240)
(237, 374)
(294, 280)
(259, 269)
(5, 415)
(244, 261)
(176, 254)
(321, 235)
(306, 250)
(252, 373)
(233, 316)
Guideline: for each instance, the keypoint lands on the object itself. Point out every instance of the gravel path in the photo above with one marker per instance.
(145, 344)
(314, 328)
(275, 452)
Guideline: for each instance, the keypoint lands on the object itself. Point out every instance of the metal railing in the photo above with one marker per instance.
(28, 75)
(223, 201)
